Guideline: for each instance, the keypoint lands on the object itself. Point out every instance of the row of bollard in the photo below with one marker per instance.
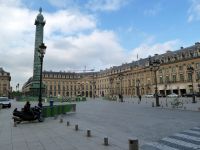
(133, 143)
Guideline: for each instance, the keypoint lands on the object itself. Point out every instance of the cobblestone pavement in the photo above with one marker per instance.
(155, 128)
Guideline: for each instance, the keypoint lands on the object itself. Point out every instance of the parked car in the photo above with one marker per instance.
(5, 102)
(190, 94)
(149, 95)
(172, 95)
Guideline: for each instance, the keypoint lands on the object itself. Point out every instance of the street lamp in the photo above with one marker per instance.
(111, 88)
(138, 87)
(121, 78)
(41, 52)
(154, 66)
(190, 70)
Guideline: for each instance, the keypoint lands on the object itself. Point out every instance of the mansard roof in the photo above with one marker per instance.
(168, 57)
(70, 73)
(3, 71)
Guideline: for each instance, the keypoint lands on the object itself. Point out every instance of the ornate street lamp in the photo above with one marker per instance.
(41, 52)
(120, 76)
(138, 87)
(190, 70)
(154, 66)
(111, 87)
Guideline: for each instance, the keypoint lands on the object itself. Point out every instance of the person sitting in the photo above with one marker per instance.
(27, 107)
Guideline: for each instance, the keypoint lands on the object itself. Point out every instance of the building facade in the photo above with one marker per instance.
(133, 78)
(5, 79)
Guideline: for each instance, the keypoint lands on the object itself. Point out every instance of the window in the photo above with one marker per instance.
(161, 79)
(189, 77)
(198, 75)
(174, 78)
(173, 69)
(167, 79)
(197, 65)
(181, 78)
(180, 68)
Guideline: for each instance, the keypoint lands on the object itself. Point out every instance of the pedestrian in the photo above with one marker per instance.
(140, 98)
(122, 98)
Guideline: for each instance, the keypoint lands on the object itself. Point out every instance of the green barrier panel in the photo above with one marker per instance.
(52, 111)
(48, 111)
(59, 109)
(83, 98)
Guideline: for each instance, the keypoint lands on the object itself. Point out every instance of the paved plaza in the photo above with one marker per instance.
(156, 128)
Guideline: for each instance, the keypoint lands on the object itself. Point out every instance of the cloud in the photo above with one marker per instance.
(64, 3)
(98, 50)
(18, 32)
(68, 22)
(153, 11)
(106, 5)
(146, 49)
(194, 11)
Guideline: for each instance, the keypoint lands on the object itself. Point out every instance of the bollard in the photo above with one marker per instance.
(152, 104)
(185, 108)
(88, 133)
(106, 141)
(133, 144)
(61, 120)
(68, 124)
(76, 127)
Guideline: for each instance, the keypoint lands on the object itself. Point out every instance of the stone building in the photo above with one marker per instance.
(133, 78)
(5, 78)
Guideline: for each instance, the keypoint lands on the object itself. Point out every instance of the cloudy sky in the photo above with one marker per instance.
(97, 34)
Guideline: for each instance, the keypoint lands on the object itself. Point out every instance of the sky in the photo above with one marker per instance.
(93, 34)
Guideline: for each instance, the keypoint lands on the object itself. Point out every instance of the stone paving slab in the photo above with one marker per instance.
(115, 120)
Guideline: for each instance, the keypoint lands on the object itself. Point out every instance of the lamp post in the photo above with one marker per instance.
(138, 87)
(154, 66)
(111, 88)
(121, 78)
(41, 52)
(190, 70)
(94, 87)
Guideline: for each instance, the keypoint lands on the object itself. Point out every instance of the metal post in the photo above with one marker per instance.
(40, 93)
(156, 90)
(193, 96)
(133, 144)
(68, 123)
(88, 133)
(41, 51)
(106, 141)
(191, 71)
(76, 127)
